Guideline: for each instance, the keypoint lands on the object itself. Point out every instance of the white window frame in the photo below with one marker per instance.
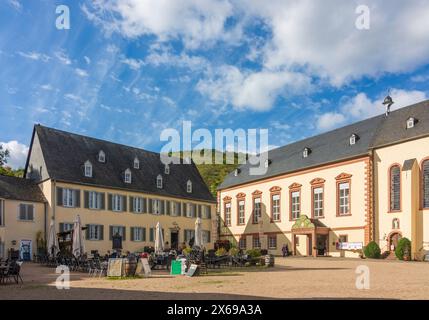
(67, 226)
(159, 181)
(256, 244)
(272, 244)
(94, 232)
(101, 156)
(352, 139)
(257, 210)
(410, 123)
(117, 203)
(241, 212)
(138, 204)
(88, 169)
(189, 210)
(94, 200)
(189, 186)
(343, 198)
(69, 198)
(127, 176)
(167, 169)
(276, 207)
(156, 206)
(295, 204)
(228, 214)
(205, 236)
(318, 202)
(305, 153)
(27, 212)
(139, 231)
(136, 163)
(120, 229)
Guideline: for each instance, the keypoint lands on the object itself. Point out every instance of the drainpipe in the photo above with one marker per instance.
(373, 199)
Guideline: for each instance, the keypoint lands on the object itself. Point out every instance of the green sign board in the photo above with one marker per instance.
(176, 267)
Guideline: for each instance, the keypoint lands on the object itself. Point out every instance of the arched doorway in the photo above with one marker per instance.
(393, 240)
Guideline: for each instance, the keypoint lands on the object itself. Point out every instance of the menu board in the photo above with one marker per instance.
(192, 270)
(115, 267)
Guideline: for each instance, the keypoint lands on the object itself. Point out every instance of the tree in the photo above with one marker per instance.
(4, 154)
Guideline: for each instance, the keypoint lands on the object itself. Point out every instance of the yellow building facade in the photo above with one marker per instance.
(331, 194)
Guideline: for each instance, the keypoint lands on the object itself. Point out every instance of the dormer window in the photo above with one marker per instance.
(353, 139)
(127, 176)
(167, 169)
(236, 172)
(136, 163)
(306, 152)
(159, 181)
(189, 186)
(411, 122)
(101, 156)
(267, 162)
(88, 169)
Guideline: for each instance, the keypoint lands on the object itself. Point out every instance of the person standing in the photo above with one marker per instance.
(285, 250)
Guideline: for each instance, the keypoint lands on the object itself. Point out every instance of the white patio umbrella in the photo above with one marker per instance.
(159, 240)
(53, 247)
(78, 245)
(198, 233)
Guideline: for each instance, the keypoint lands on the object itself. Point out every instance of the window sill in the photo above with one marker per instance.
(20, 220)
(394, 211)
(275, 221)
(344, 215)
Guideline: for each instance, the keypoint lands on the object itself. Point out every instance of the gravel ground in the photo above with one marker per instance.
(291, 278)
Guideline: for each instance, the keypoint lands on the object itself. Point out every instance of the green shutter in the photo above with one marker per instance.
(110, 232)
(109, 201)
(124, 203)
(61, 227)
(87, 232)
(101, 232)
(131, 204)
(103, 201)
(86, 199)
(167, 207)
(77, 195)
(59, 196)
(124, 232)
(144, 234)
(132, 234)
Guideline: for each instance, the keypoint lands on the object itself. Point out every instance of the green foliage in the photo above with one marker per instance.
(403, 249)
(254, 253)
(233, 251)
(221, 252)
(372, 250)
(4, 154)
(214, 174)
(7, 171)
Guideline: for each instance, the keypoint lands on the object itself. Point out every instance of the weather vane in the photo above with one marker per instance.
(388, 101)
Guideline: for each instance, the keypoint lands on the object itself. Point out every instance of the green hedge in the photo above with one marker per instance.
(372, 250)
(404, 246)
(254, 253)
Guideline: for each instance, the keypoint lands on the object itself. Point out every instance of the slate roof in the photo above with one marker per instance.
(65, 154)
(334, 145)
(14, 188)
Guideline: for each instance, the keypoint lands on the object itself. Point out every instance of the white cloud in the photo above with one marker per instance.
(195, 21)
(46, 87)
(253, 90)
(62, 57)
(321, 37)
(16, 4)
(87, 60)
(330, 120)
(81, 72)
(18, 153)
(33, 55)
(134, 64)
(362, 107)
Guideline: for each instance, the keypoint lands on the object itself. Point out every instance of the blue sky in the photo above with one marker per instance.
(127, 69)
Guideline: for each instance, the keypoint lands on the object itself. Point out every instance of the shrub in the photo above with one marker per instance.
(221, 252)
(372, 250)
(254, 253)
(403, 248)
(233, 251)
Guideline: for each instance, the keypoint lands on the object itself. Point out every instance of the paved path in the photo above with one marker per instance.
(292, 278)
